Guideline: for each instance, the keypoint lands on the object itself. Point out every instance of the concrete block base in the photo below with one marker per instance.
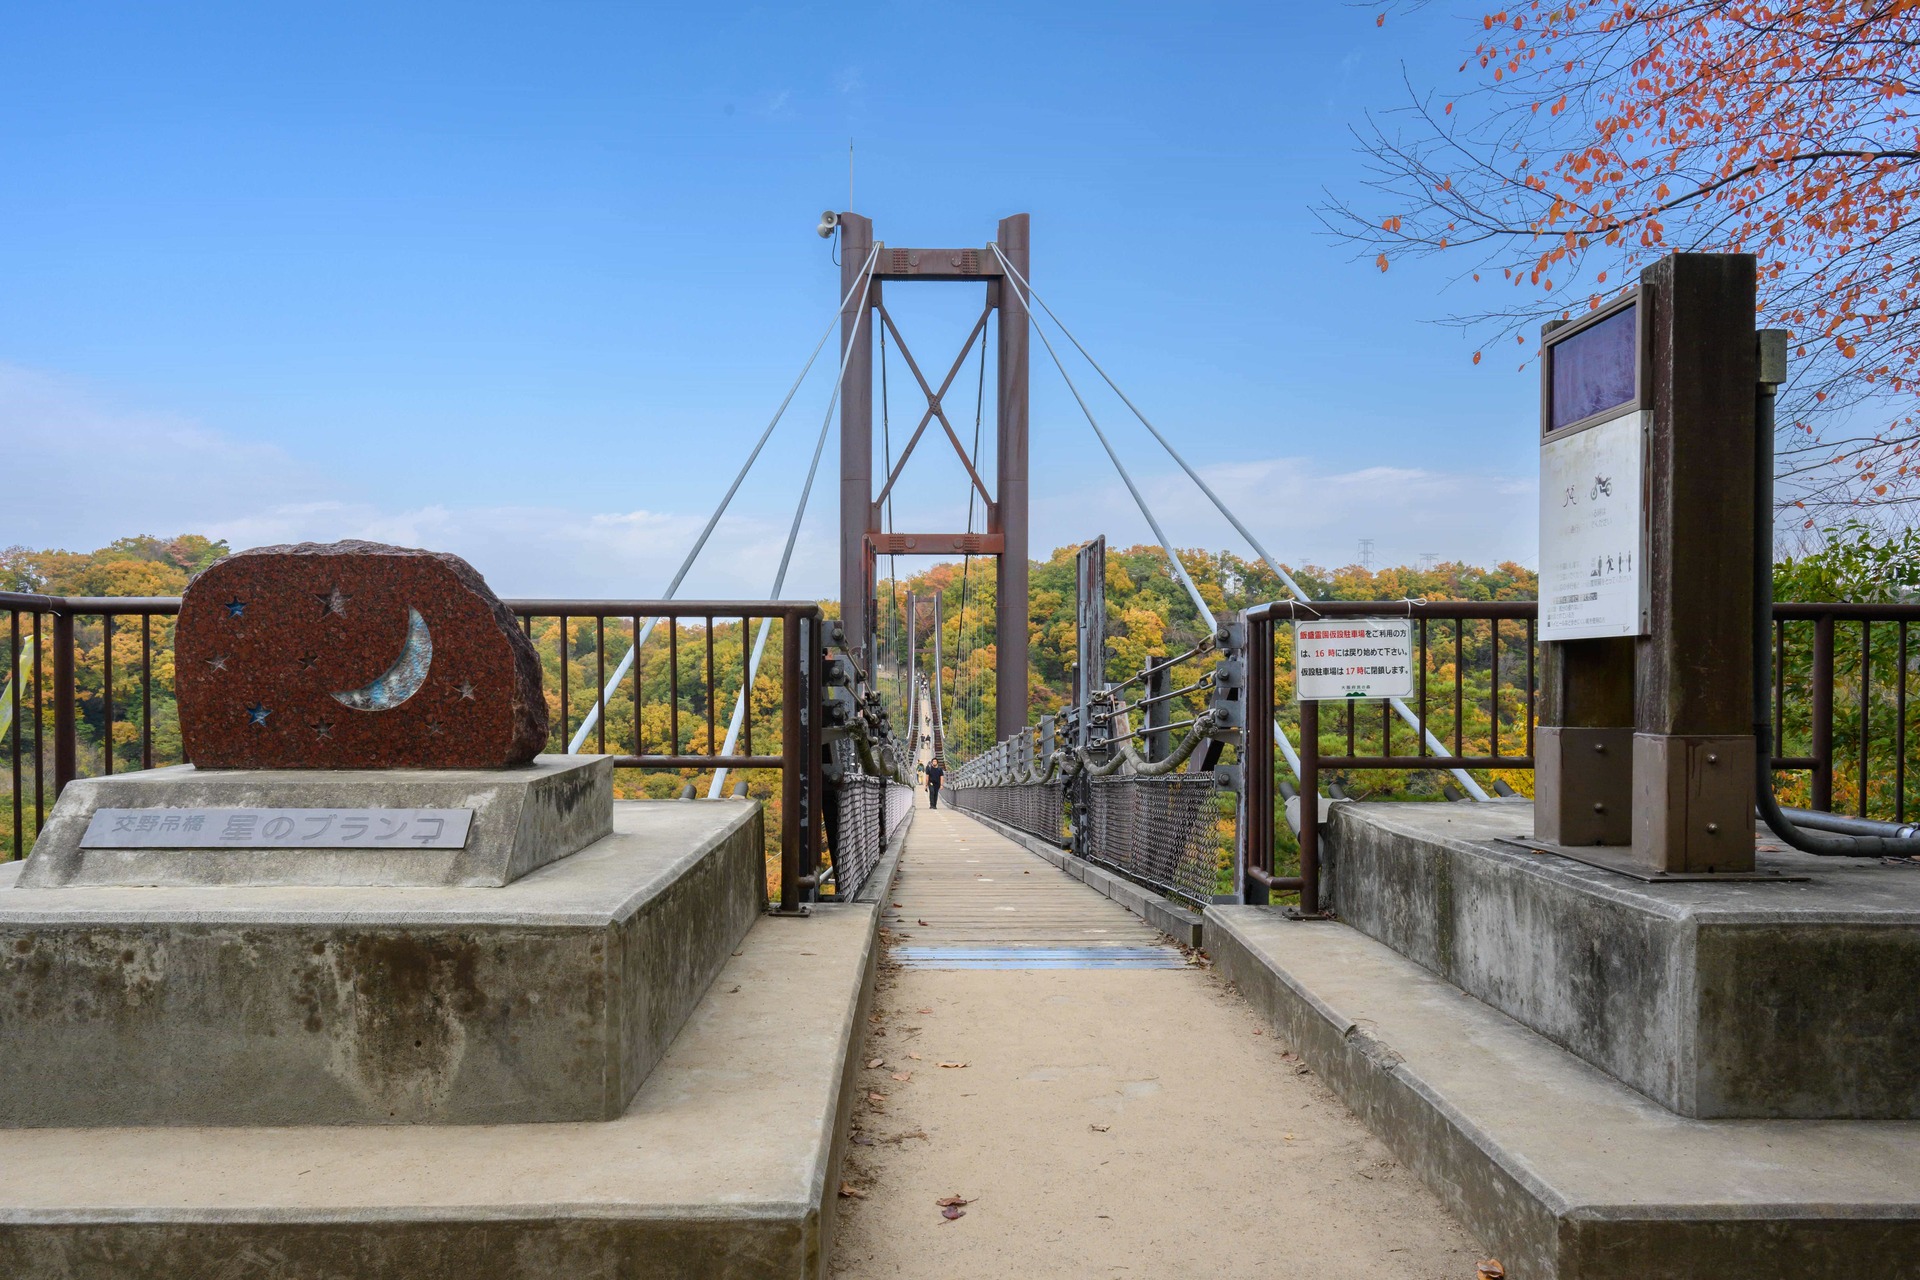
(1789, 997)
(724, 1165)
(547, 999)
(1562, 1170)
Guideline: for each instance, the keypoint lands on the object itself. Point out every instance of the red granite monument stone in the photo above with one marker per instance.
(353, 655)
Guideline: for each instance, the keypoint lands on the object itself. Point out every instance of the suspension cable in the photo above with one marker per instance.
(699, 544)
(893, 564)
(786, 559)
(966, 561)
(1180, 570)
(1400, 707)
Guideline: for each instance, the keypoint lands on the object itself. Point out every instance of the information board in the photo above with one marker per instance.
(1335, 659)
(1592, 531)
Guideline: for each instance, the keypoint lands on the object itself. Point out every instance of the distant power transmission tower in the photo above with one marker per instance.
(1366, 554)
(1428, 559)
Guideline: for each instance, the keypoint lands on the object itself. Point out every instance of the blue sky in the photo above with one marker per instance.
(523, 281)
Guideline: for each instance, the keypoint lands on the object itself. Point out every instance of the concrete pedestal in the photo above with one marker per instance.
(1754, 999)
(548, 999)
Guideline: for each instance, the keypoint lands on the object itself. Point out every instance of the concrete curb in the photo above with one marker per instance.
(1562, 1170)
(879, 884)
(1177, 922)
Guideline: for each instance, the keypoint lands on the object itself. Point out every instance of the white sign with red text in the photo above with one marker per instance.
(1339, 658)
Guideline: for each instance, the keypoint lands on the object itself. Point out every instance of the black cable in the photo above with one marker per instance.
(1823, 843)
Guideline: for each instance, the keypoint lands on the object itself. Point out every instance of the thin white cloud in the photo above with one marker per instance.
(1305, 514)
(90, 472)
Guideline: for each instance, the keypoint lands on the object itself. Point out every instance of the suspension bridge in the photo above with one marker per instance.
(1371, 938)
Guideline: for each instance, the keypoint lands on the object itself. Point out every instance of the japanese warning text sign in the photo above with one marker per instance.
(1337, 658)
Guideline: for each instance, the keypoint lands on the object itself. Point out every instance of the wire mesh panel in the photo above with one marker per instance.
(899, 804)
(1175, 831)
(1037, 808)
(867, 811)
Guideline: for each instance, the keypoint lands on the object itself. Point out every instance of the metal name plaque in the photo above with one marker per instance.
(278, 829)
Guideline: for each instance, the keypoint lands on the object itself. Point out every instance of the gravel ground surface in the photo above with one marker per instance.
(1104, 1122)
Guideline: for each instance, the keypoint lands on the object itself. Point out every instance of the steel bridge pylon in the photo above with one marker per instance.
(862, 539)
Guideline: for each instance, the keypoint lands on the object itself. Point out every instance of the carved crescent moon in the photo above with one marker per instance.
(401, 680)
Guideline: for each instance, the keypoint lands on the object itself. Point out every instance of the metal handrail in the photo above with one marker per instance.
(798, 759)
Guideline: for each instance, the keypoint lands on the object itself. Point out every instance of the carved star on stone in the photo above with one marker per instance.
(218, 662)
(257, 715)
(465, 690)
(235, 608)
(434, 729)
(332, 601)
(323, 728)
(307, 661)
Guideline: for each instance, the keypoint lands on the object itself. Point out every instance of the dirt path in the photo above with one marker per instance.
(1108, 1121)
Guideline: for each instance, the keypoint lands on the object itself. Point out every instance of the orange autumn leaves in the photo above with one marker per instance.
(1595, 136)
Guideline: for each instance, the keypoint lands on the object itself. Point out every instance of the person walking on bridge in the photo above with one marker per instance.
(935, 772)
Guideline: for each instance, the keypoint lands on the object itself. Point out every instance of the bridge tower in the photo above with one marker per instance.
(862, 539)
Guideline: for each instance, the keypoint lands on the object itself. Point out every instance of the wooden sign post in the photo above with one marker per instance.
(1646, 598)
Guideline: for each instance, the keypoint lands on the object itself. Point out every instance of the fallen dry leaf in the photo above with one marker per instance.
(923, 1011)
(953, 1211)
(916, 1057)
(954, 1202)
(903, 1076)
(876, 1097)
(1256, 1031)
(1491, 1270)
(1099, 1128)
(922, 923)
(852, 1192)
(1289, 1137)
(953, 1064)
(877, 1062)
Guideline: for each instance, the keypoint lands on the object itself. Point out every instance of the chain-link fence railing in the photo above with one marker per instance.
(1174, 832)
(1037, 808)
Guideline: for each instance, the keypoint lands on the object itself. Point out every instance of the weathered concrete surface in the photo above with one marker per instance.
(1562, 1170)
(1736, 999)
(719, 1168)
(524, 818)
(547, 1000)
(1177, 922)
